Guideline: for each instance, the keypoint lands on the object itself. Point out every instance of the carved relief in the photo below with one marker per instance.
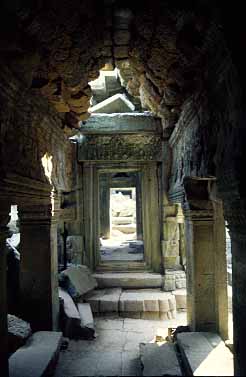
(120, 148)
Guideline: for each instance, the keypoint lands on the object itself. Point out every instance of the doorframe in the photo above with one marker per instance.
(151, 210)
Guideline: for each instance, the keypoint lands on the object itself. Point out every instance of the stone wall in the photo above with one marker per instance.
(30, 128)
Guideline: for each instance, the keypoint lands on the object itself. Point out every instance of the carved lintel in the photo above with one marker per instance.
(199, 215)
(35, 214)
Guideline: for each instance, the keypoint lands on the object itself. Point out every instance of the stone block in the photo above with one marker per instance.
(38, 357)
(129, 280)
(87, 328)
(93, 298)
(170, 248)
(151, 305)
(154, 316)
(74, 245)
(180, 297)
(171, 229)
(205, 354)
(159, 360)
(109, 302)
(169, 282)
(81, 279)
(18, 332)
(71, 317)
(171, 262)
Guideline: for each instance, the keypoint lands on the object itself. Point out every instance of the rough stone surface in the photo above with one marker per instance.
(81, 278)
(18, 332)
(205, 354)
(128, 280)
(87, 328)
(122, 123)
(180, 298)
(159, 360)
(104, 300)
(149, 302)
(38, 357)
(71, 320)
(115, 351)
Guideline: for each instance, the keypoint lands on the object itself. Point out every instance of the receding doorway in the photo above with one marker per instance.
(120, 227)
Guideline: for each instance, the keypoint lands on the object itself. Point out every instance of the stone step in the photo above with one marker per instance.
(141, 303)
(129, 280)
(159, 360)
(205, 354)
(181, 298)
(37, 357)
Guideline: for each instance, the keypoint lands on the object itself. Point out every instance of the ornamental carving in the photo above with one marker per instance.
(120, 148)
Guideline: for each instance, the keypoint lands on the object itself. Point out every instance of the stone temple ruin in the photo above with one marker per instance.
(122, 223)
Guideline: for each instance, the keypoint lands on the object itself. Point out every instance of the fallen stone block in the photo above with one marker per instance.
(37, 357)
(81, 278)
(87, 329)
(159, 360)
(70, 317)
(205, 354)
(18, 332)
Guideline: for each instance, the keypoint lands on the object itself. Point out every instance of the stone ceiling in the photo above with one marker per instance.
(161, 48)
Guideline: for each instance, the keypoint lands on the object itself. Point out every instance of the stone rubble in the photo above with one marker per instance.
(18, 332)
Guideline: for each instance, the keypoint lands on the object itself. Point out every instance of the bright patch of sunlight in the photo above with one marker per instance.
(47, 165)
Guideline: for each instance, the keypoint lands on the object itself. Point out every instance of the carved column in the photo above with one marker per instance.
(39, 275)
(4, 218)
(204, 252)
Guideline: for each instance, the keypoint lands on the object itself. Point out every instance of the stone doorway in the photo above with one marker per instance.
(100, 232)
(120, 223)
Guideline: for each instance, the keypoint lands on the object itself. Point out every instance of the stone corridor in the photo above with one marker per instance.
(104, 103)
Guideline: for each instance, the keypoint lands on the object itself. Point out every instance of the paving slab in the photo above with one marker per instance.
(37, 357)
(205, 354)
(159, 360)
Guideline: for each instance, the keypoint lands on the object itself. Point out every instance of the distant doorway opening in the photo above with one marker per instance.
(121, 218)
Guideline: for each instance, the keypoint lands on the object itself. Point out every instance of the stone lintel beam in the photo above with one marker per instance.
(127, 123)
(38, 274)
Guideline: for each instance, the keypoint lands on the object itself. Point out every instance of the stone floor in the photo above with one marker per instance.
(121, 250)
(115, 351)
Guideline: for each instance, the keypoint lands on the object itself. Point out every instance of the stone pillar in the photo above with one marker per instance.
(4, 218)
(237, 225)
(38, 274)
(104, 205)
(139, 215)
(204, 252)
(170, 243)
